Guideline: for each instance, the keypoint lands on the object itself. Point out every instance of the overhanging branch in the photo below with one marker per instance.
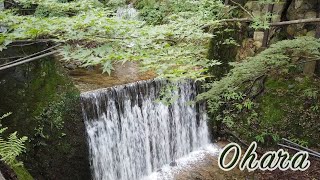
(283, 23)
(299, 21)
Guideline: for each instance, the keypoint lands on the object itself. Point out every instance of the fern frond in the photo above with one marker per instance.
(11, 148)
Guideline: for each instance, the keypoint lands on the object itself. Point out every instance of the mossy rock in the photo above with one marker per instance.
(224, 47)
(45, 107)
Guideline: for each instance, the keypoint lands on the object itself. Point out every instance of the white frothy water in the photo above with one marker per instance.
(128, 12)
(191, 160)
(131, 135)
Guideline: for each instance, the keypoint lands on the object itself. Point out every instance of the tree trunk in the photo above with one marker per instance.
(267, 31)
(318, 24)
(310, 67)
(317, 69)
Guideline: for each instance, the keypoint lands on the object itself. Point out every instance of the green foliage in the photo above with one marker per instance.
(5, 115)
(156, 12)
(261, 137)
(261, 22)
(300, 142)
(311, 93)
(153, 13)
(233, 99)
(52, 114)
(279, 55)
(167, 94)
(286, 110)
(11, 147)
(50, 121)
(92, 34)
(51, 8)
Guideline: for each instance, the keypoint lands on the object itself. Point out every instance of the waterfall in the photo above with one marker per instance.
(131, 135)
(3, 29)
(128, 12)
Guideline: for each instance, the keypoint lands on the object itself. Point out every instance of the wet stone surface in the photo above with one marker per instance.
(200, 165)
(87, 79)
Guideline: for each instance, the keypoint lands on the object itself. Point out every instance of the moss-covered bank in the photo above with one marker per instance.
(288, 107)
(46, 108)
(268, 96)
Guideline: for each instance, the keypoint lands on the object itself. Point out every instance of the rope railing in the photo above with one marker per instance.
(296, 147)
(29, 58)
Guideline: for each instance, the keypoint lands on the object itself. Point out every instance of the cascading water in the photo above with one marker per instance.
(131, 135)
(128, 12)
